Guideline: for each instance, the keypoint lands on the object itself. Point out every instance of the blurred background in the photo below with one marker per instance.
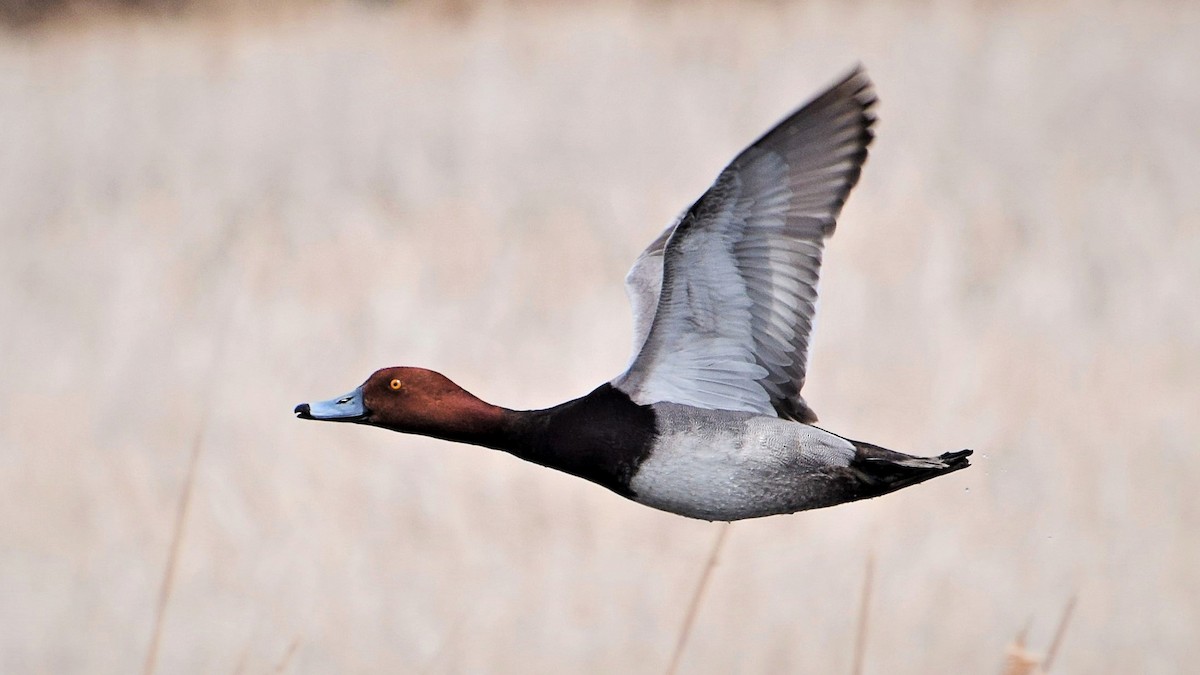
(212, 211)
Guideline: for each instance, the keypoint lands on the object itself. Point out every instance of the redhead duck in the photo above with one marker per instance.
(707, 421)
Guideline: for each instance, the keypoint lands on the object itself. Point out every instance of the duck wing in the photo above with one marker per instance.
(724, 298)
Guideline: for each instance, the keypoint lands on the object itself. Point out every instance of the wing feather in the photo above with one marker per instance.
(724, 298)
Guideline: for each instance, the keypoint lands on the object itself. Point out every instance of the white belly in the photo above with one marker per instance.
(729, 466)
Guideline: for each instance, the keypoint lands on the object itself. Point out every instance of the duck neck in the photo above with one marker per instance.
(602, 436)
(516, 432)
(462, 417)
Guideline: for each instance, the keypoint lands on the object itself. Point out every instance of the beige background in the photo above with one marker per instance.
(208, 218)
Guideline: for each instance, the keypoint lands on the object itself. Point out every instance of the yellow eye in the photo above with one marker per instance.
(395, 385)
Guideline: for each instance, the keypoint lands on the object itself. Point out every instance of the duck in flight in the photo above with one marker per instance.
(707, 421)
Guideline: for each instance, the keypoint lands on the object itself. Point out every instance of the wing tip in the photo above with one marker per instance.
(851, 101)
(855, 84)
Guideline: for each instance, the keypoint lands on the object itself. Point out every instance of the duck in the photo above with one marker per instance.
(707, 421)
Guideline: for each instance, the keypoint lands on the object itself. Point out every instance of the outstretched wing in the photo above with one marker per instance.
(724, 300)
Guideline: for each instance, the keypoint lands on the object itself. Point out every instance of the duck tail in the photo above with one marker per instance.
(882, 471)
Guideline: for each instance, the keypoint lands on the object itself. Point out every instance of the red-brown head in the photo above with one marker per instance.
(409, 400)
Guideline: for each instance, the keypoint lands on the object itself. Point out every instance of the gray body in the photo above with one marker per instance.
(722, 465)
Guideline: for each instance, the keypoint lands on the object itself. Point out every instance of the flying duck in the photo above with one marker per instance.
(707, 421)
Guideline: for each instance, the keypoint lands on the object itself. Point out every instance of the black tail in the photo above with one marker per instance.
(881, 471)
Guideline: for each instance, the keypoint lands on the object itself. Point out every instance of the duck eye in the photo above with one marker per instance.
(395, 385)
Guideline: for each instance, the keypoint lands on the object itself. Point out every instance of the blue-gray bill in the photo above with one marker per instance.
(348, 408)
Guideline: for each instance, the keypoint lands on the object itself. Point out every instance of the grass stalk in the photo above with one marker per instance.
(697, 597)
(864, 616)
(185, 501)
(287, 656)
(168, 580)
(1059, 633)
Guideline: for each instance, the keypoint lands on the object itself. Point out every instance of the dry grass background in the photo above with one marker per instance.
(211, 217)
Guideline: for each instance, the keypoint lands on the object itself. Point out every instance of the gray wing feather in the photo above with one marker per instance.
(642, 285)
(724, 298)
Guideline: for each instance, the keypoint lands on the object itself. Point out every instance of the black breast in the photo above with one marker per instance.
(602, 437)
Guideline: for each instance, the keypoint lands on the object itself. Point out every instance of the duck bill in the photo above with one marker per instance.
(347, 408)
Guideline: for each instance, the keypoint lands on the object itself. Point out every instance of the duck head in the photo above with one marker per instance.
(408, 400)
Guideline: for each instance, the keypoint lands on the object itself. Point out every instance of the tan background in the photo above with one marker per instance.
(209, 217)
